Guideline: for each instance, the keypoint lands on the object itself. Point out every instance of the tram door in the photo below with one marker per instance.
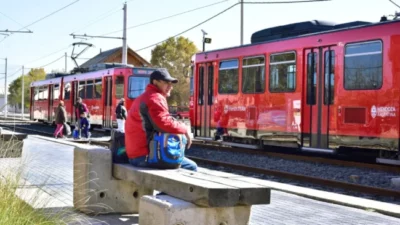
(205, 99)
(107, 114)
(319, 83)
(75, 91)
(50, 114)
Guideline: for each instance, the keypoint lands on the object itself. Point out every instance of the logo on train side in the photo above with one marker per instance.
(383, 111)
(373, 111)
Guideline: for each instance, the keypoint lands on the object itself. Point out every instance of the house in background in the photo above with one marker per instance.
(115, 56)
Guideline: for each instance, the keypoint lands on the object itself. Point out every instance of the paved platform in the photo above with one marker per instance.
(47, 170)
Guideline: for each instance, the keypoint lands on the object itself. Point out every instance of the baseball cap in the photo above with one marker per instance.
(162, 74)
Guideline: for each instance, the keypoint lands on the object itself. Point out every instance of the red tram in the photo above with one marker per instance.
(100, 91)
(313, 85)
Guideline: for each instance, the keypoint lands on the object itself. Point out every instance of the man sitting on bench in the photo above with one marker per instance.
(148, 114)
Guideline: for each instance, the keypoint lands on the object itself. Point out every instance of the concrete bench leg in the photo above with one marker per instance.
(167, 210)
(96, 191)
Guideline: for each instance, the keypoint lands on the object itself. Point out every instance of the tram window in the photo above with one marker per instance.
(81, 89)
(119, 87)
(40, 93)
(191, 81)
(67, 91)
(363, 66)
(89, 89)
(43, 93)
(98, 88)
(329, 77)
(228, 81)
(46, 92)
(312, 78)
(56, 91)
(282, 75)
(201, 86)
(253, 75)
(36, 93)
(210, 83)
(137, 85)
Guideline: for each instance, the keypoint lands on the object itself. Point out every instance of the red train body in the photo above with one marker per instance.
(99, 90)
(317, 92)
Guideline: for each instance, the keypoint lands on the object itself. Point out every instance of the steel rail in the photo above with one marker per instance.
(309, 179)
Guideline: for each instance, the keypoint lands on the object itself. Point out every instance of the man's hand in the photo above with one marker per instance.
(189, 139)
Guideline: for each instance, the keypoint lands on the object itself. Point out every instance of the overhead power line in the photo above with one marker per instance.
(13, 74)
(167, 17)
(286, 2)
(230, 7)
(37, 21)
(12, 19)
(43, 18)
(48, 55)
(280, 2)
(102, 17)
(52, 62)
(394, 3)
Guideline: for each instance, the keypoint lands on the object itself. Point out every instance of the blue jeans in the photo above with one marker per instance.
(186, 163)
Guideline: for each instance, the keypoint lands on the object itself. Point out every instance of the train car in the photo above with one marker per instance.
(100, 91)
(314, 86)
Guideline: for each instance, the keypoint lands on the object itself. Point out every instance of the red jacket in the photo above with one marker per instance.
(148, 113)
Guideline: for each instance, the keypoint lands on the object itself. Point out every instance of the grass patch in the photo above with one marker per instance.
(15, 211)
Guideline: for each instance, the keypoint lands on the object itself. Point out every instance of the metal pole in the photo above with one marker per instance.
(65, 62)
(124, 45)
(204, 43)
(5, 91)
(22, 95)
(241, 22)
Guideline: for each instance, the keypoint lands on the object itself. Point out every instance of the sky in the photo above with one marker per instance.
(51, 37)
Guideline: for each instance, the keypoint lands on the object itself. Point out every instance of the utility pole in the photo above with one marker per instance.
(5, 92)
(241, 22)
(22, 95)
(65, 63)
(204, 36)
(124, 45)
(124, 39)
(205, 40)
(5, 89)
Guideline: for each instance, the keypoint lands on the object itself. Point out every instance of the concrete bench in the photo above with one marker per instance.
(203, 197)
(11, 143)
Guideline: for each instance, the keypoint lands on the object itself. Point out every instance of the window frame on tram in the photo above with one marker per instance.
(235, 74)
(130, 86)
(289, 63)
(346, 57)
(259, 73)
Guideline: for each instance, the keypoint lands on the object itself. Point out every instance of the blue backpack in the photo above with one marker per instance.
(166, 150)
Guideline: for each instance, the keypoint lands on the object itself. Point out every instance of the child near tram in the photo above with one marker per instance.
(84, 125)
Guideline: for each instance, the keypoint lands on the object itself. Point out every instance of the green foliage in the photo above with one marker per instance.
(175, 55)
(13, 210)
(16, 86)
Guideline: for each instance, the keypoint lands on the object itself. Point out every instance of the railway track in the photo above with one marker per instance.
(287, 175)
(15, 127)
(214, 145)
(309, 179)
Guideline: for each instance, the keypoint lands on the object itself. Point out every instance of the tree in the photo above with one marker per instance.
(175, 55)
(16, 85)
